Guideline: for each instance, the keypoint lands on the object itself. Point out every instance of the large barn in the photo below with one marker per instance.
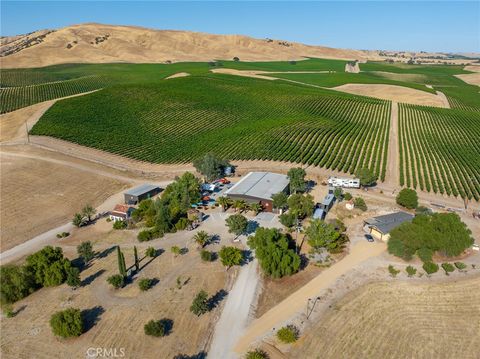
(259, 187)
(138, 194)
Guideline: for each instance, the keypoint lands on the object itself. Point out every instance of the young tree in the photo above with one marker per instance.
(347, 196)
(297, 179)
(338, 193)
(275, 252)
(88, 211)
(279, 200)
(225, 202)
(200, 303)
(288, 334)
(301, 205)
(211, 166)
(407, 198)
(239, 205)
(67, 323)
(359, 203)
(77, 220)
(237, 224)
(323, 235)
(145, 284)
(430, 267)
(201, 238)
(73, 277)
(288, 220)
(122, 269)
(393, 271)
(230, 256)
(175, 250)
(151, 252)
(85, 251)
(158, 328)
(116, 281)
(366, 176)
(411, 271)
(448, 268)
(256, 208)
(119, 225)
(206, 256)
(256, 354)
(460, 266)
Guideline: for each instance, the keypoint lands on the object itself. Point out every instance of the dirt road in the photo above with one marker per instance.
(392, 174)
(235, 314)
(295, 303)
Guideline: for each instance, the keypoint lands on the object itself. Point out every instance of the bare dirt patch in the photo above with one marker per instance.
(472, 79)
(398, 320)
(179, 74)
(393, 93)
(243, 73)
(38, 195)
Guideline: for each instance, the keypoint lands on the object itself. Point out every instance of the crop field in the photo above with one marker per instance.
(398, 320)
(439, 150)
(178, 120)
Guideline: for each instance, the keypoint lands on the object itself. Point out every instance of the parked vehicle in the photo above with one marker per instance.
(369, 238)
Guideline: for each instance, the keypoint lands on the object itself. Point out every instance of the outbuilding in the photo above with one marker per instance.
(121, 212)
(381, 226)
(138, 194)
(327, 202)
(259, 187)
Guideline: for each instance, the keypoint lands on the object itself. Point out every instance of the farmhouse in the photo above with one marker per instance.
(121, 212)
(380, 227)
(137, 194)
(259, 187)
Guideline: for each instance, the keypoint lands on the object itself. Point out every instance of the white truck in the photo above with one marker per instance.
(344, 182)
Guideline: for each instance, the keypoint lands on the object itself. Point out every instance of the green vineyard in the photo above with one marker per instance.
(440, 150)
(238, 118)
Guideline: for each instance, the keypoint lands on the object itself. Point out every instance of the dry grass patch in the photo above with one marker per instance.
(398, 320)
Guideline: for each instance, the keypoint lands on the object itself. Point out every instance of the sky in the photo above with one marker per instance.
(447, 26)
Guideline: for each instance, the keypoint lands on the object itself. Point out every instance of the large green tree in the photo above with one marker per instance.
(200, 304)
(279, 200)
(301, 205)
(49, 266)
(297, 179)
(85, 251)
(211, 166)
(237, 224)
(322, 235)
(230, 256)
(275, 252)
(16, 282)
(407, 198)
(67, 323)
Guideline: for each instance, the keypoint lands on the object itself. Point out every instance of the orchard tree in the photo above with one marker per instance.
(297, 179)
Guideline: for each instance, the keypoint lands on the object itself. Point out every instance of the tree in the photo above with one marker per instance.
(230, 256)
(237, 224)
(323, 235)
(301, 205)
(200, 304)
(135, 255)
(337, 192)
(393, 271)
(430, 267)
(297, 179)
(411, 271)
(288, 220)
(236, 59)
(359, 203)
(67, 323)
(119, 224)
(448, 268)
(77, 220)
(175, 250)
(201, 238)
(49, 266)
(425, 254)
(122, 269)
(256, 208)
(16, 282)
(88, 211)
(366, 176)
(206, 256)
(158, 328)
(85, 251)
(460, 266)
(407, 198)
(145, 235)
(279, 200)
(73, 277)
(275, 252)
(145, 284)
(288, 334)
(239, 205)
(256, 354)
(116, 280)
(347, 196)
(225, 202)
(151, 252)
(211, 166)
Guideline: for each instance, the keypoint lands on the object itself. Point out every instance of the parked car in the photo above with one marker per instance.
(369, 238)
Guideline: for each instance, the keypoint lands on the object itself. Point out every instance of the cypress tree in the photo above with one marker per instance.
(137, 262)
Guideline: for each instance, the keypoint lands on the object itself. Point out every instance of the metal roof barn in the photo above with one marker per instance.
(382, 225)
(137, 194)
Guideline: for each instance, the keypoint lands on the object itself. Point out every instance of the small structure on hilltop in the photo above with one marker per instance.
(259, 187)
(380, 227)
(121, 212)
(138, 194)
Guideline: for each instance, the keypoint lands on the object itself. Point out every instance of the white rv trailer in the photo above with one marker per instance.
(344, 182)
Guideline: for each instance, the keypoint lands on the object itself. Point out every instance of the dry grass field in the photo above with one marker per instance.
(117, 317)
(398, 320)
(38, 195)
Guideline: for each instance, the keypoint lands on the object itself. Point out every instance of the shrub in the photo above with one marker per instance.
(256, 354)
(411, 271)
(347, 196)
(288, 334)
(73, 277)
(460, 265)
(425, 254)
(158, 328)
(359, 203)
(231, 256)
(182, 224)
(144, 235)
(393, 272)
(116, 280)
(448, 268)
(287, 219)
(119, 225)
(16, 282)
(206, 256)
(8, 311)
(67, 323)
(430, 267)
(85, 251)
(407, 198)
(145, 284)
(200, 304)
(151, 252)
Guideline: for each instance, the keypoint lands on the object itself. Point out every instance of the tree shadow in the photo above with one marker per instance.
(251, 227)
(247, 257)
(183, 251)
(200, 355)
(105, 252)
(92, 277)
(154, 282)
(215, 300)
(310, 184)
(214, 239)
(91, 317)
(19, 310)
(168, 325)
(303, 262)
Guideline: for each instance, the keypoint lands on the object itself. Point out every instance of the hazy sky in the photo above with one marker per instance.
(390, 25)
